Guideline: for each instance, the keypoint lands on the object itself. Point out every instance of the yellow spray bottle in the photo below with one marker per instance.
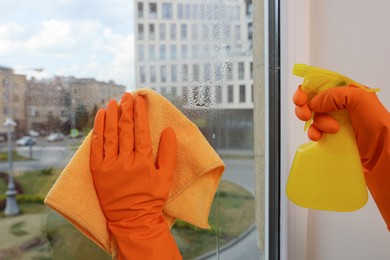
(327, 174)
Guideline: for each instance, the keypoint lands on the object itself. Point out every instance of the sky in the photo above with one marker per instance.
(80, 38)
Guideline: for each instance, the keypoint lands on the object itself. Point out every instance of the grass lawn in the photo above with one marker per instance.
(15, 156)
(231, 214)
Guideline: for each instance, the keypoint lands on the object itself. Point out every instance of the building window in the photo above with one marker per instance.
(152, 33)
(173, 52)
(184, 51)
(195, 51)
(195, 12)
(173, 73)
(184, 94)
(205, 32)
(167, 11)
(236, 13)
(162, 52)
(142, 74)
(173, 92)
(140, 32)
(163, 73)
(180, 11)
(218, 71)
(237, 32)
(163, 91)
(229, 70)
(153, 74)
(152, 52)
(207, 72)
(226, 31)
(184, 72)
(194, 31)
(216, 31)
(173, 31)
(152, 10)
(202, 11)
(141, 52)
(218, 94)
(242, 93)
(230, 97)
(195, 72)
(252, 93)
(162, 31)
(209, 12)
(251, 70)
(140, 8)
(187, 12)
(206, 51)
(183, 31)
(241, 70)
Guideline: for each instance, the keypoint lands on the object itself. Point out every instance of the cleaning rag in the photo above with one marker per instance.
(198, 173)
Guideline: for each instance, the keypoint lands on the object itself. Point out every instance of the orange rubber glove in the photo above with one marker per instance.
(371, 123)
(131, 188)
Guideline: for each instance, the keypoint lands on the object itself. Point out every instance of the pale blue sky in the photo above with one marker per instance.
(69, 37)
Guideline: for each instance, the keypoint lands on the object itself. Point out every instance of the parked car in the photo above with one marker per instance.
(33, 133)
(2, 139)
(55, 137)
(25, 140)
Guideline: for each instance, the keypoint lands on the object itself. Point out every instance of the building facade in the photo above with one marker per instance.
(60, 98)
(199, 52)
(12, 101)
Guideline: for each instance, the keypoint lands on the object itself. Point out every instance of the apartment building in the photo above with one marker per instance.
(201, 53)
(12, 101)
(60, 97)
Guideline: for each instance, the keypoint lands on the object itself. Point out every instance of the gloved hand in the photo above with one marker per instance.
(131, 187)
(371, 123)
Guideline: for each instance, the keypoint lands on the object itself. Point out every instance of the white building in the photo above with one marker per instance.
(199, 51)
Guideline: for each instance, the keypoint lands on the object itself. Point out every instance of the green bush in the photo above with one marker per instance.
(47, 171)
(26, 198)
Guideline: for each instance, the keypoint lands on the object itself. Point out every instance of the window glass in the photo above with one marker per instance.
(163, 73)
(194, 31)
(152, 34)
(152, 51)
(61, 61)
(152, 10)
(180, 11)
(242, 93)
(140, 11)
(141, 52)
(174, 73)
(153, 74)
(183, 31)
(173, 52)
(173, 31)
(241, 70)
(140, 31)
(163, 52)
(162, 31)
(167, 11)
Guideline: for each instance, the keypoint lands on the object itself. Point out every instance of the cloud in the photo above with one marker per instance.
(86, 38)
(81, 48)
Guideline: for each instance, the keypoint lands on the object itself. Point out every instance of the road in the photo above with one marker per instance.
(241, 172)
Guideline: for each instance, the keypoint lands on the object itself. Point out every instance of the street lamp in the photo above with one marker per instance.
(11, 206)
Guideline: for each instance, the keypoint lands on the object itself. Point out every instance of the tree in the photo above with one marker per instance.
(81, 116)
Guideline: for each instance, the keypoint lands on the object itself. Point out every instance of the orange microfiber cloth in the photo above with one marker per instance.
(198, 172)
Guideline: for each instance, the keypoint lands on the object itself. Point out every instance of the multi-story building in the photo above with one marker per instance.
(12, 99)
(60, 97)
(199, 52)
